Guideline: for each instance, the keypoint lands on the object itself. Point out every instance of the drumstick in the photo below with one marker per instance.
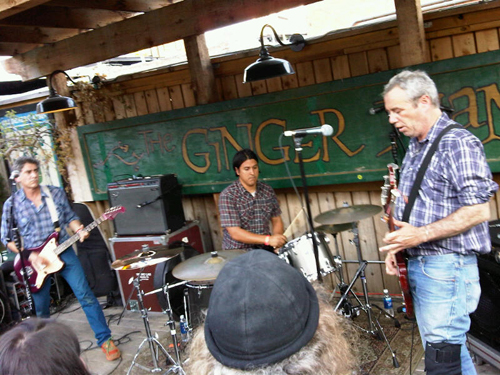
(289, 229)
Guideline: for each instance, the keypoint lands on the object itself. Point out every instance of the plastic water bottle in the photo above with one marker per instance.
(184, 329)
(388, 303)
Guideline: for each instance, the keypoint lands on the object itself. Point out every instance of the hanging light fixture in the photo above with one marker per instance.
(55, 102)
(269, 67)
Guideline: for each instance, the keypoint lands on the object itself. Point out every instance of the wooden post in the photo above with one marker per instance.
(200, 67)
(64, 121)
(411, 32)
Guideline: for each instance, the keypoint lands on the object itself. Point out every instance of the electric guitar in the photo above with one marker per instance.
(49, 251)
(389, 193)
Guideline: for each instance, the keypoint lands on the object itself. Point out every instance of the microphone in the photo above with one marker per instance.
(375, 110)
(14, 174)
(326, 130)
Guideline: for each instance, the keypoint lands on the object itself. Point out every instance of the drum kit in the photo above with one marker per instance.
(199, 273)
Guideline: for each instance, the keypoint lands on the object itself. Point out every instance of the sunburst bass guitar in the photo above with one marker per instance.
(48, 253)
(389, 193)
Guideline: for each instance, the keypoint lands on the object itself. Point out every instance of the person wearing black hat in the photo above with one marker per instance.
(264, 317)
(247, 207)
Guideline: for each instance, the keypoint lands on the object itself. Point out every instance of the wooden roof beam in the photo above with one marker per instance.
(129, 5)
(9, 49)
(45, 16)
(411, 32)
(35, 35)
(165, 25)
(10, 7)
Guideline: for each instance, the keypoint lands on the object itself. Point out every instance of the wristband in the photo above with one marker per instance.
(266, 241)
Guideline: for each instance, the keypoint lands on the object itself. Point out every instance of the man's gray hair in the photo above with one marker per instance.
(414, 84)
(20, 162)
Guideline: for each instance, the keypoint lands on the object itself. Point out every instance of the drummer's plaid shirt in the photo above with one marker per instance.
(457, 176)
(238, 208)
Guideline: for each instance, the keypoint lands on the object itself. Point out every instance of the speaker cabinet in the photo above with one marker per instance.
(153, 205)
(485, 322)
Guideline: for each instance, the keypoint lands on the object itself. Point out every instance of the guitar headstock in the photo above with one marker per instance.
(111, 213)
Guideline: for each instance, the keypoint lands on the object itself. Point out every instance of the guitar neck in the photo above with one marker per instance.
(70, 241)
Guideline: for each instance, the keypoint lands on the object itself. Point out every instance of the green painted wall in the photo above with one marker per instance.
(198, 143)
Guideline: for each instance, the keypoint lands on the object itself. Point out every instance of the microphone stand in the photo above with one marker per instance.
(297, 139)
(16, 237)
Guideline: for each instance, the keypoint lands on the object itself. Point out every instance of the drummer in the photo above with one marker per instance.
(247, 207)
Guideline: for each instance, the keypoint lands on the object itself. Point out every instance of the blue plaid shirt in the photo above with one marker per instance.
(457, 176)
(35, 224)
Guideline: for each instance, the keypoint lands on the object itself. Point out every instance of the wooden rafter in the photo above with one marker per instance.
(10, 7)
(60, 17)
(165, 25)
(129, 5)
(35, 35)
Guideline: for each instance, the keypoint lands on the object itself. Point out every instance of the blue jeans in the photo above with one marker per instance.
(445, 290)
(74, 275)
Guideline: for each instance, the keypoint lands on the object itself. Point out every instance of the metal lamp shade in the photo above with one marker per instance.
(55, 103)
(267, 67)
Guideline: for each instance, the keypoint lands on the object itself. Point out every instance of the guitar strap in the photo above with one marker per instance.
(52, 208)
(422, 170)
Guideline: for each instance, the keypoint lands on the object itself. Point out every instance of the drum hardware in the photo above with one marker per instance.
(299, 253)
(196, 298)
(374, 327)
(334, 229)
(155, 347)
(204, 267)
(146, 256)
(348, 214)
(143, 258)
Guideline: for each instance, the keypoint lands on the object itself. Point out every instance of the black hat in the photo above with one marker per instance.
(261, 311)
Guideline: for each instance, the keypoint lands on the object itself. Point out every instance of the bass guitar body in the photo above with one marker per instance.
(47, 263)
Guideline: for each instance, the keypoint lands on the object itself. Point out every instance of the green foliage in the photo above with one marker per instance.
(27, 135)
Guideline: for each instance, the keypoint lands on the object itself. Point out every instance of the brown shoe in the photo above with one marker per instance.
(111, 351)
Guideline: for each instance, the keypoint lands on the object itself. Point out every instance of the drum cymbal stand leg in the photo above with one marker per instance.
(177, 364)
(374, 327)
(154, 345)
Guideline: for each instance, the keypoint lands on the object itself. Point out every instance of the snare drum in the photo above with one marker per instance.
(300, 254)
(198, 297)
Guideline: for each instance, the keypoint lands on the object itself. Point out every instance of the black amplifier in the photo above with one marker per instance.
(153, 205)
(495, 232)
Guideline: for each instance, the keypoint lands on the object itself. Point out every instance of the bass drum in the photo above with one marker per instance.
(163, 275)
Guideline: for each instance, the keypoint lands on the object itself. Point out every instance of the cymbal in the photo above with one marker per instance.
(147, 256)
(333, 229)
(204, 267)
(348, 214)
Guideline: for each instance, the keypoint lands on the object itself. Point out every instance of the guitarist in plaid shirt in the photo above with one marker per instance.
(35, 225)
(447, 226)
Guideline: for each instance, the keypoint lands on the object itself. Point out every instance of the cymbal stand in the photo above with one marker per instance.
(374, 327)
(177, 365)
(154, 345)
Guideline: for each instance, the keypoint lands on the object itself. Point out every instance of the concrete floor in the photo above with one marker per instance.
(132, 327)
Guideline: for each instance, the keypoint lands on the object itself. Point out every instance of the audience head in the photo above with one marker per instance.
(40, 346)
(263, 318)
